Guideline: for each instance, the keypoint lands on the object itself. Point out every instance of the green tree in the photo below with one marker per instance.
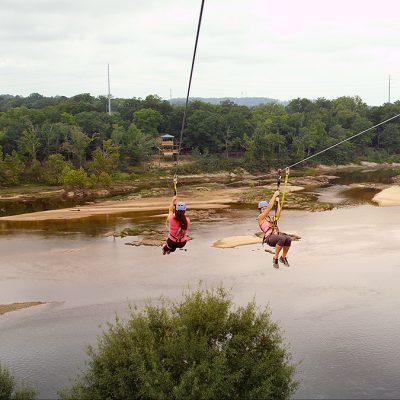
(235, 121)
(9, 389)
(199, 348)
(390, 138)
(117, 134)
(75, 178)
(205, 131)
(53, 168)
(104, 179)
(136, 146)
(273, 116)
(11, 168)
(105, 158)
(52, 136)
(94, 123)
(127, 107)
(148, 121)
(28, 143)
(77, 145)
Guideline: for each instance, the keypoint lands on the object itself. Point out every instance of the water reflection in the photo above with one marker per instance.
(336, 303)
(92, 226)
(367, 175)
(14, 207)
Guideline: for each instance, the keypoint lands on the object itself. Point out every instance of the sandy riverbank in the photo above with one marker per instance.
(5, 308)
(216, 199)
(196, 200)
(388, 197)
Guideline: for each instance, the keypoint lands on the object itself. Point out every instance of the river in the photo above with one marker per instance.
(336, 303)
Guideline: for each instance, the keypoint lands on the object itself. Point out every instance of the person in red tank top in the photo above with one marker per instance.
(178, 224)
(272, 236)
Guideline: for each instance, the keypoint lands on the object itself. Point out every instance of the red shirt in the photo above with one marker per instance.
(176, 234)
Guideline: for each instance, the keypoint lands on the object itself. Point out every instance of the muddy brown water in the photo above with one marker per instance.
(337, 303)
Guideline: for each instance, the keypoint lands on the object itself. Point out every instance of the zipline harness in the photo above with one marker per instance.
(278, 212)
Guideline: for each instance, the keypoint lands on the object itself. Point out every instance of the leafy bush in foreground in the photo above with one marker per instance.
(8, 390)
(199, 348)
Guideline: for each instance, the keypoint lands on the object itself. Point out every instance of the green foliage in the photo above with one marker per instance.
(104, 179)
(117, 134)
(53, 168)
(29, 143)
(137, 146)
(148, 121)
(76, 145)
(8, 389)
(33, 172)
(105, 158)
(204, 130)
(74, 178)
(199, 348)
(268, 135)
(11, 168)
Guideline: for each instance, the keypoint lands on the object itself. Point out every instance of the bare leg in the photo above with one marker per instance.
(277, 251)
(285, 251)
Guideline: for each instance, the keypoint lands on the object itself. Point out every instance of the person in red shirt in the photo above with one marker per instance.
(178, 224)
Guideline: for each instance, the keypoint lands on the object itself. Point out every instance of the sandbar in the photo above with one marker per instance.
(388, 197)
(235, 241)
(5, 308)
(216, 199)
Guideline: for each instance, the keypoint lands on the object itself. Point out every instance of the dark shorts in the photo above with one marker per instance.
(281, 240)
(174, 245)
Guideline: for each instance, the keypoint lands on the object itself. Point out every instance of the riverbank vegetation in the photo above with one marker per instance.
(74, 142)
(9, 390)
(199, 347)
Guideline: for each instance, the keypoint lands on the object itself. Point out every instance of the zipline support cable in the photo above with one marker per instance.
(190, 83)
(175, 181)
(342, 141)
(318, 153)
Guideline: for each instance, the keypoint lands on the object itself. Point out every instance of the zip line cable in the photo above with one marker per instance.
(342, 141)
(276, 218)
(190, 83)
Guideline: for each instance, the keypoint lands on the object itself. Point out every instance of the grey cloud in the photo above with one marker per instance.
(76, 7)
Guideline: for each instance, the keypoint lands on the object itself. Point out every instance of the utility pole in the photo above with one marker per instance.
(109, 92)
(389, 88)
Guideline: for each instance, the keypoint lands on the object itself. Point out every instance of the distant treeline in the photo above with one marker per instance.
(240, 101)
(74, 135)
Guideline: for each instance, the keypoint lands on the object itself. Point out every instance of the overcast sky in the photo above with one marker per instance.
(264, 48)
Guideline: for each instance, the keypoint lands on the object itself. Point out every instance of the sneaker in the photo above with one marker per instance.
(275, 263)
(284, 261)
(165, 249)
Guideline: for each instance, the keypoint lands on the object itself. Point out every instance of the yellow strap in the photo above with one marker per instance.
(175, 188)
(283, 195)
(176, 194)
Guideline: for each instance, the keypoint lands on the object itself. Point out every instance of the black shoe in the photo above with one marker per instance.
(284, 261)
(275, 263)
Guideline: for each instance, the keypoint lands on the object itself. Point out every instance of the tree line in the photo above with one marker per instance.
(61, 140)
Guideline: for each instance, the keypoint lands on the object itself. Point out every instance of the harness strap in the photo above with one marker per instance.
(283, 195)
(175, 182)
(178, 234)
(278, 214)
